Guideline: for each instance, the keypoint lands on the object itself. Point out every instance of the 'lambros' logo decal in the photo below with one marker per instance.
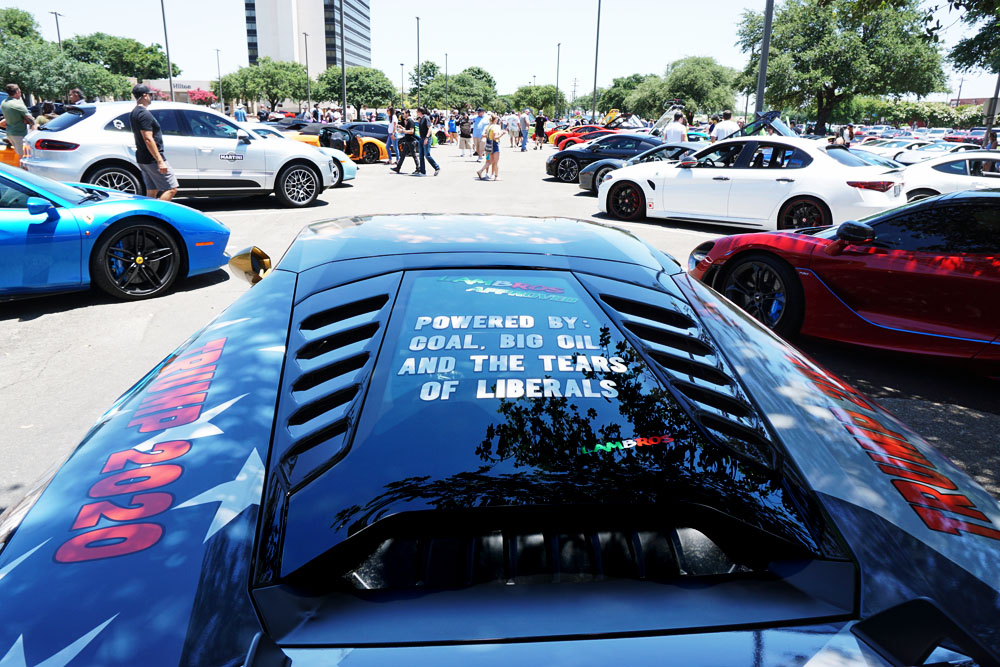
(627, 444)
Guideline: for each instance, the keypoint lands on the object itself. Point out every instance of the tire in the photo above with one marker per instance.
(369, 154)
(626, 201)
(137, 260)
(298, 185)
(767, 289)
(598, 178)
(118, 178)
(568, 170)
(338, 173)
(803, 212)
(914, 195)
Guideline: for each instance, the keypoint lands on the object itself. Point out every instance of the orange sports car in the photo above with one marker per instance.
(365, 150)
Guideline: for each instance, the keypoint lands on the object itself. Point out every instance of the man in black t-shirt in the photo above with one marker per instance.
(156, 173)
(425, 143)
(540, 137)
(407, 144)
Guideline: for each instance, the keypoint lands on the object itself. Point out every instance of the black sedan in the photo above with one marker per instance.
(566, 164)
(592, 175)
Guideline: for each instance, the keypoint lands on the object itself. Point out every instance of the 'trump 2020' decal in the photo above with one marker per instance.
(136, 482)
(914, 477)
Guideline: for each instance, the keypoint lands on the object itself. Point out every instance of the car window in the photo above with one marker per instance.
(119, 124)
(167, 118)
(767, 156)
(954, 229)
(627, 144)
(209, 126)
(845, 157)
(955, 168)
(983, 168)
(723, 156)
(14, 195)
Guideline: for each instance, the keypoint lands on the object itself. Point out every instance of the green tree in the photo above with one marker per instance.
(585, 102)
(616, 97)
(479, 73)
(703, 84)
(18, 23)
(979, 50)
(120, 55)
(41, 70)
(280, 80)
(823, 53)
(462, 90)
(649, 99)
(365, 86)
(538, 97)
(428, 71)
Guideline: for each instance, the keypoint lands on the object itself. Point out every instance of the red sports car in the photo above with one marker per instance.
(922, 278)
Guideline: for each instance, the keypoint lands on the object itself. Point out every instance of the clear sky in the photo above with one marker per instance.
(515, 39)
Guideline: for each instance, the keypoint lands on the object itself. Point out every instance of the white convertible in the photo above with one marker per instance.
(768, 182)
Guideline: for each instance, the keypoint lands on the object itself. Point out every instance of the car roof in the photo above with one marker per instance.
(966, 155)
(359, 237)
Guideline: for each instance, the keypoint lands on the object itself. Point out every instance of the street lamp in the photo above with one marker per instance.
(597, 42)
(58, 34)
(166, 45)
(765, 44)
(447, 101)
(222, 99)
(343, 64)
(402, 87)
(558, 50)
(418, 62)
(308, 83)
(533, 80)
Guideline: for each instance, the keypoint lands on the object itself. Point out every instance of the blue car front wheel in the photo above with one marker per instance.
(137, 261)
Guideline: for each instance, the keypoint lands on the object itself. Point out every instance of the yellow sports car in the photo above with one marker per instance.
(365, 150)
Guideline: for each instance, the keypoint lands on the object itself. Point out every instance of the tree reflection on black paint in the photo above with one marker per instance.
(541, 439)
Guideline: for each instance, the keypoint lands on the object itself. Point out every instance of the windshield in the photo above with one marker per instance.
(770, 119)
(831, 232)
(69, 118)
(930, 148)
(846, 157)
(46, 187)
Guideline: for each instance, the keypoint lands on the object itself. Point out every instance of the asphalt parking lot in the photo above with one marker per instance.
(65, 359)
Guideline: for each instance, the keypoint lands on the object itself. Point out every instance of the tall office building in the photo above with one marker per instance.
(275, 29)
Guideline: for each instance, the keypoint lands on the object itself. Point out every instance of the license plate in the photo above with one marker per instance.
(895, 189)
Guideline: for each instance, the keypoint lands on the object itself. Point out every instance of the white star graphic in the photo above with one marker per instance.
(5, 570)
(15, 656)
(234, 496)
(200, 428)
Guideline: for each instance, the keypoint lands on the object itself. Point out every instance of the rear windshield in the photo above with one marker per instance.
(844, 157)
(71, 117)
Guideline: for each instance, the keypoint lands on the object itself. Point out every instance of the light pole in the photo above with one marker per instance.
(166, 45)
(402, 87)
(447, 100)
(558, 50)
(58, 34)
(309, 101)
(222, 99)
(597, 43)
(343, 63)
(992, 115)
(418, 61)
(765, 45)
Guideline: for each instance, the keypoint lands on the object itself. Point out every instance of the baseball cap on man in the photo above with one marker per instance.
(139, 90)
(479, 110)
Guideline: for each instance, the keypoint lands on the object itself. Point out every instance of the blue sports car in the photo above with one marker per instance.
(518, 441)
(57, 237)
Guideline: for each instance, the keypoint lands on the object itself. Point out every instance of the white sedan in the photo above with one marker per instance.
(972, 170)
(894, 147)
(770, 182)
(933, 150)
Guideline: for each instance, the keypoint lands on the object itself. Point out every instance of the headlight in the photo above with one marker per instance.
(699, 253)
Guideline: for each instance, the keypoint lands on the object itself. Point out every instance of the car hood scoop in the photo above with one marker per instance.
(443, 403)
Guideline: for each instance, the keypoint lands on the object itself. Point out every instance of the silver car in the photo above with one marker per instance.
(209, 153)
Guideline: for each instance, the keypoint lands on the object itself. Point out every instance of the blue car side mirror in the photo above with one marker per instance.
(37, 205)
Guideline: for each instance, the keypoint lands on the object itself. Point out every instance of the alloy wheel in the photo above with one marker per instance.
(300, 185)
(756, 288)
(139, 261)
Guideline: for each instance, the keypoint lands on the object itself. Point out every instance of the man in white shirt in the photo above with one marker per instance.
(726, 127)
(675, 130)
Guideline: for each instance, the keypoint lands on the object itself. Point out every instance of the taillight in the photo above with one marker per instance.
(880, 186)
(55, 145)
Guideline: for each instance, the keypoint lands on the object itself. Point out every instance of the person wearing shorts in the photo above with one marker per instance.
(157, 175)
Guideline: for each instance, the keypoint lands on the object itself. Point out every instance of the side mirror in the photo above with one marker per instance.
(242, 137)
(855, 233)
(38, 206)
(250, 264)
(687, 164)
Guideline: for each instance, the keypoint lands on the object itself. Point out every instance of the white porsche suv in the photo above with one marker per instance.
(209, 153)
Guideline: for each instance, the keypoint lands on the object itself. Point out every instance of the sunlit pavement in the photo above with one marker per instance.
(65, 359)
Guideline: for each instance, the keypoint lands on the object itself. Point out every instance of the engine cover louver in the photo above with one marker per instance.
(332, 345)
(668, 331)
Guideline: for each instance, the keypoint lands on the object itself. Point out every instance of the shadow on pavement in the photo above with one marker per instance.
(244, 204)
(25, 310)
